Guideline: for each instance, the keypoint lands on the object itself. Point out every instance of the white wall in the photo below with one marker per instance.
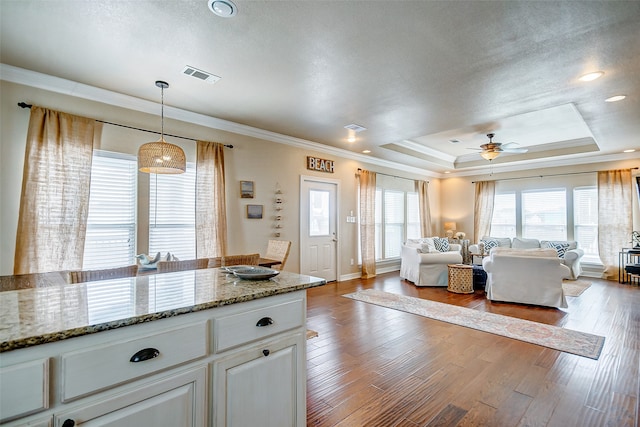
(266, 163)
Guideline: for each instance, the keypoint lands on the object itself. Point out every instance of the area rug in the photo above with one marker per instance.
(311, 334)
(574, 288)
(574, 342)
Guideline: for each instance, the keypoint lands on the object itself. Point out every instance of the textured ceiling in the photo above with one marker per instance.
(416, 74)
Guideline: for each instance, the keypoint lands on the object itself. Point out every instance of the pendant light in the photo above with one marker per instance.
(161, 157)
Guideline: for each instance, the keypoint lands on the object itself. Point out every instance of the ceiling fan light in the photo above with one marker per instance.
(489, 155)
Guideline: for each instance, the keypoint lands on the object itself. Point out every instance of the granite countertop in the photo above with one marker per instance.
(31, 317)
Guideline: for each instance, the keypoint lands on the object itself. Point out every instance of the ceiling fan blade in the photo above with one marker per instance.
(513, 147)
(515, 150)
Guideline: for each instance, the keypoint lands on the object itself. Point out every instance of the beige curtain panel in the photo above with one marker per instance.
(211, 217)
(55, 191)
(368, 222)
(422, 188)
(614, 218)
(483, 209)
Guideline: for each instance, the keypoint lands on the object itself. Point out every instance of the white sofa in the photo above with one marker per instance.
(570, 254)
(527, 276)
(424, 265)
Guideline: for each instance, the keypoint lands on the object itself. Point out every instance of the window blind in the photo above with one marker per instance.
(172, 216)
(544, 214)
(110, 238)
(585, 220)
(503, 222)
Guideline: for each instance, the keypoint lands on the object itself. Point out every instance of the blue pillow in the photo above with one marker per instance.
(441, 244)
(489, 244)
(560, 247)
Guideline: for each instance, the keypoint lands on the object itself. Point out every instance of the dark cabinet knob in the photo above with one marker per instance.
(68, 423)
(265, 352)
(144, 354)
(265, 321)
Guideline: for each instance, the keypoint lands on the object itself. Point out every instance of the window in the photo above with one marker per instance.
(397, 218)
(556, 213)
(172, 214)
(544, 214)
(111, 221)
(503, 222)
(585, 220)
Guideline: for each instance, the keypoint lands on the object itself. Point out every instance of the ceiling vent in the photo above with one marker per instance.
(200, 74)
(356, 128)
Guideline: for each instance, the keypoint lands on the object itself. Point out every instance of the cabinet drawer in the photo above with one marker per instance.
(88, 371)
(241, 328)
(24, 389)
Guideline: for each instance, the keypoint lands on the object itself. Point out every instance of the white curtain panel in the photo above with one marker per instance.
(614, 218)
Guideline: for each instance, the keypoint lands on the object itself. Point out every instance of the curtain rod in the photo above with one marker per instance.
(544, 176)
(25, 105)
(393, 176)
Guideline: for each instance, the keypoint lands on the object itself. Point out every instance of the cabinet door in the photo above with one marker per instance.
(177, 401)
(262, 386)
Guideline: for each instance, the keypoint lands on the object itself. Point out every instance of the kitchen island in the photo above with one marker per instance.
(191, 348)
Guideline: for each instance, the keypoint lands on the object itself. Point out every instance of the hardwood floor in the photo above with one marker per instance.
(374, 366)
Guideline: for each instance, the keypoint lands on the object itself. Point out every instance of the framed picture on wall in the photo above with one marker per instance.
(254, 211)
(246, 189)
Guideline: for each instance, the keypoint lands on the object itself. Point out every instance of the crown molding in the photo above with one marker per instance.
(79, 90)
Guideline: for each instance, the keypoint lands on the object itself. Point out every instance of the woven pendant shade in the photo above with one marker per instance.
(161, 157)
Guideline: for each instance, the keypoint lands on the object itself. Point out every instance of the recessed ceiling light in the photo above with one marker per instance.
(223, 8)
(629, 151)
(591, 76)
(366, 151)
(447, 171)
(615, 98)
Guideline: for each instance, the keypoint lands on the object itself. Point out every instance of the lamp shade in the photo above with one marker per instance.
(449, 226)
(489, 155)
(161, 157)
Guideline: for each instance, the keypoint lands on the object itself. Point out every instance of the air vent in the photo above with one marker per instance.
(356, 128)
(200, 74)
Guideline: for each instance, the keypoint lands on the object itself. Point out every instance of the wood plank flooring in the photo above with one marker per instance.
(374, 366)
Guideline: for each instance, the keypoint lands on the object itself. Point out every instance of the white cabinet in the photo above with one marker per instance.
(261, 386)
(237, 365)
(176, 401)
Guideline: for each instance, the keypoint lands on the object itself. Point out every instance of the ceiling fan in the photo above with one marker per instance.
(491, 150)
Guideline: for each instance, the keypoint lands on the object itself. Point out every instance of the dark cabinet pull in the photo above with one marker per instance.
(265, 352)
(68, 423)
(265, 321)
(144, 354)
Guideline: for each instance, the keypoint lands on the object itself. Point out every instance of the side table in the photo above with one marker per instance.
(460, 278)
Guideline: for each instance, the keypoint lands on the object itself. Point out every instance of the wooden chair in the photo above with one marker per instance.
(278, 250)
(189, 264)
(33, 280)
(247, 259)
(80, 276)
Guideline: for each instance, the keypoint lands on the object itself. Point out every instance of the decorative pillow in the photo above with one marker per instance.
(489, 244)
(441, 245)
(560, 247)
(503, 242)
(428, 245)
(522, 243)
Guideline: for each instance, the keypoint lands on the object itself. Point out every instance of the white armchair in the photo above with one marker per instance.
(427, 268)
(528, 276)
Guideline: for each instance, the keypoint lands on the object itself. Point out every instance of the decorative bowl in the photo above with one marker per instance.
(255, 273)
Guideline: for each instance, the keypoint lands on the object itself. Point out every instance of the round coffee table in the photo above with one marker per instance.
(460, 278)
